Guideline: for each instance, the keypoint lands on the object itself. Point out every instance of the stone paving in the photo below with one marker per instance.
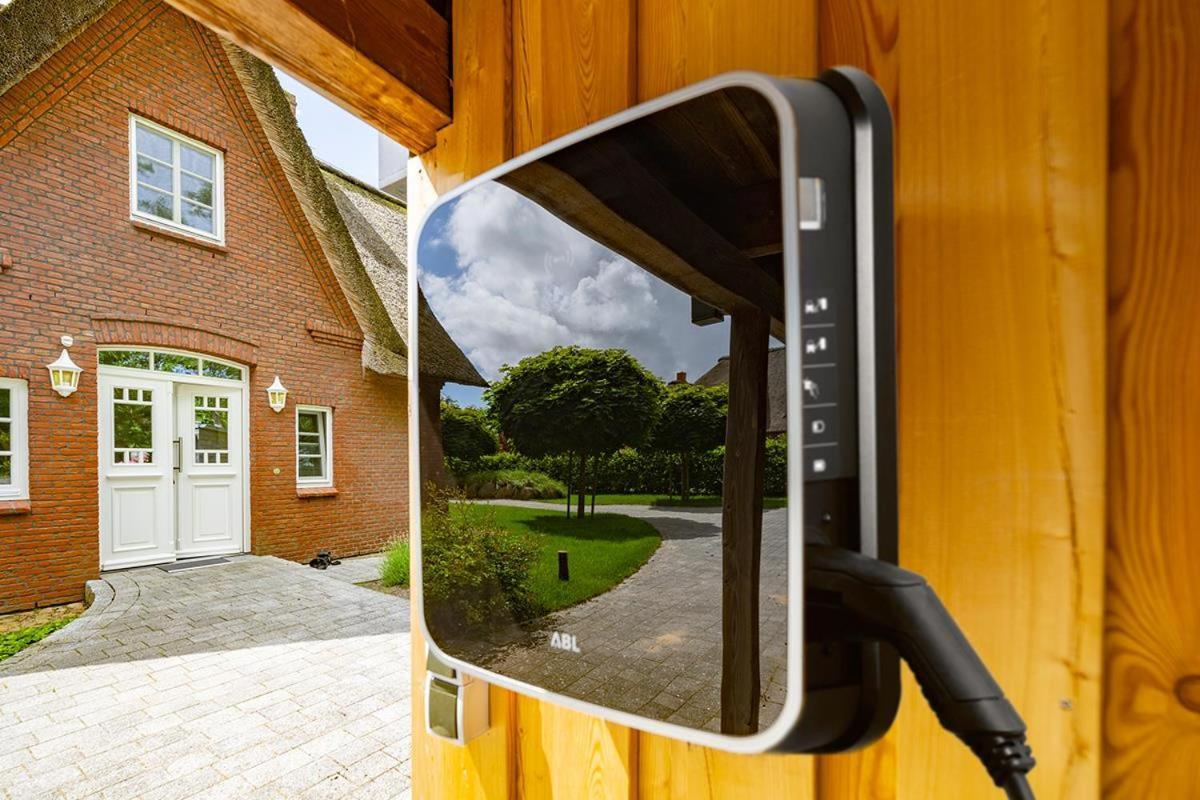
(652, 644)
(254, 679)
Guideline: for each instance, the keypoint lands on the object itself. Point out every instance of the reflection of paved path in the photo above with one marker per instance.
(652, 645)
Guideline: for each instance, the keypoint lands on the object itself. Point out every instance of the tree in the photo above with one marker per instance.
(575, 401)
(691, 420)
(466, 432)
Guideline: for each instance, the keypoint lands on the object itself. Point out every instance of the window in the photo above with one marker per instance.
(14, 440)
(174, 363)
(133, 425)
(314, 450)
(211, 429)
(175, 181)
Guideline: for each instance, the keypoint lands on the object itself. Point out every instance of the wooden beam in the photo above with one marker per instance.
(385, 61)
(741, 522)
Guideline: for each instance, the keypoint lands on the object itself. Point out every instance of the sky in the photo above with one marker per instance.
(336, 136)
(508, 280)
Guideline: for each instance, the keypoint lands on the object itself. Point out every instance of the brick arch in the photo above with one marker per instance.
(174, 335)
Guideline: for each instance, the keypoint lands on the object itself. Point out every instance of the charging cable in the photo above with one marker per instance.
(852, 597)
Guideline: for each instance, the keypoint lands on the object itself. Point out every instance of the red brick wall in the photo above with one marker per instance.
(79, 267)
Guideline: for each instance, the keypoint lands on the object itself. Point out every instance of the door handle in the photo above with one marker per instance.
(175, 459)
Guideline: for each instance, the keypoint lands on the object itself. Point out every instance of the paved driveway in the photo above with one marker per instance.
(254, 679)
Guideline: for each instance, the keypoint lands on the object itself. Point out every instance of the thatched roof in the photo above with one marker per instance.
(378, 224)
(718, 375)
(366, 249)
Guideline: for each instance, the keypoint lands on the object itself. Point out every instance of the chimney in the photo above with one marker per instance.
(291, 98)
(680, 377)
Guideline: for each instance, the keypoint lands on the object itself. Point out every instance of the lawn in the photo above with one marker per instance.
(13, 642)
(696, 500)
(603, 551)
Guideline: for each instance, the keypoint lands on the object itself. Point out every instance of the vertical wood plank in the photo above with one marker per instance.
(1001, 274)
(485, 767)
(574, 63)
(480, 135)
(680, 42)
(1152, 644)
(684, 41)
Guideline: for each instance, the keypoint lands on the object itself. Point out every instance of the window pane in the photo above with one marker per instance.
(5, 399)
(195, 161)
(152, 201)
(215, 369)
(137, 359)
(154, 173)
(153, 144)
(132, 426)
(197, 189)
(310, 467)
(179, 365)
(5, 470)
(197, 217)
(308, 422)
(5, 436)
(310, 447)
(212, 429)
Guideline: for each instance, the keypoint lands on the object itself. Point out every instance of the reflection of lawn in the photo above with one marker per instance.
(696, 500)
(603, 551)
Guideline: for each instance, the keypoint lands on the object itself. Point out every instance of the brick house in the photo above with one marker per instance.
(159, 206)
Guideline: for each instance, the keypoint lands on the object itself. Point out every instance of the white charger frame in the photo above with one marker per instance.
(788, 718)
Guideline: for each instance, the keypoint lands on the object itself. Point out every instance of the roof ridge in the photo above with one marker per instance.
(361, 184)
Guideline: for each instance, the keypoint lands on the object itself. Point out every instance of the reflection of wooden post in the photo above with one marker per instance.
(741, 521)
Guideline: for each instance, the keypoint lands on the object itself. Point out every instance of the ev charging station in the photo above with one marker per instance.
(754, 212)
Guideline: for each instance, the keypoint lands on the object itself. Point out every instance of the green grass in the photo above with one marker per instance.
(696, 500)
(14, 642)
(394, 569)
(603, 551)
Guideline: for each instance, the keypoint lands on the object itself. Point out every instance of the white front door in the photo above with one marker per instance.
(137, 523)
(209, 481)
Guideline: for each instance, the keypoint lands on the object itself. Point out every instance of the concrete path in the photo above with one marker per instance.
(254, 679)
(652, 644)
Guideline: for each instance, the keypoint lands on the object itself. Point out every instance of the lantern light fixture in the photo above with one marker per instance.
(277, 395)
(64, 373)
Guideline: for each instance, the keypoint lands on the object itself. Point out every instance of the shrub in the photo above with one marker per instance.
(475, 573)
(518, 484)
(394, 569)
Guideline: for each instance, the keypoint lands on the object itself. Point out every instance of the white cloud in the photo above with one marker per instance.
(522, 281)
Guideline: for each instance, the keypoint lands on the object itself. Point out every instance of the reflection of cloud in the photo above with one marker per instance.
(525, 282)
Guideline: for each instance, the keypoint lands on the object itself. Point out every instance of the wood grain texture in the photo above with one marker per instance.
(573, 63)
(480, 135)
(1152, 625)
(563, 753)
(683, 41)
(1001, 256)
(279, 32)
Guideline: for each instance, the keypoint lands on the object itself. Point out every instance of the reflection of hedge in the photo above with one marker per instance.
(474, 572)
(632, 471)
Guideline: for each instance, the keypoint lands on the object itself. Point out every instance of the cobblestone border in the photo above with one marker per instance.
(98, 596)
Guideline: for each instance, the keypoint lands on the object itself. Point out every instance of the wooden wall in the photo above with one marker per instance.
(1001, 186)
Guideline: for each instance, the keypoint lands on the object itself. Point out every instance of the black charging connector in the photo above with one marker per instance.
(852, 597)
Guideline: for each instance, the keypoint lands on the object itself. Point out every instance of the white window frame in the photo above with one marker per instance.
(218, 232)
(326, 423)
(18, 419)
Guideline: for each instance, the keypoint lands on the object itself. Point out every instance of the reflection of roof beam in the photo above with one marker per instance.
(650, 226)
(386, 62)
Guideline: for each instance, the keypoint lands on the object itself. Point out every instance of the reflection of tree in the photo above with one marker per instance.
(692, 420)
(212, 430)
(132, 426)
(578, 401)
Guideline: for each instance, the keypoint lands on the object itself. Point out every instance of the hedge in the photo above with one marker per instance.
(630, 471)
